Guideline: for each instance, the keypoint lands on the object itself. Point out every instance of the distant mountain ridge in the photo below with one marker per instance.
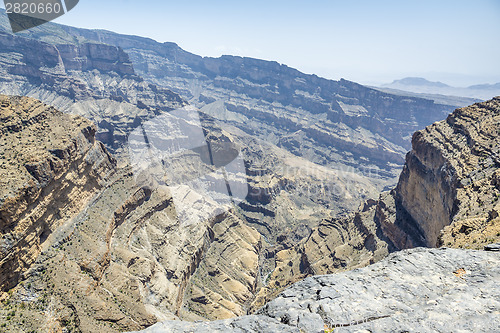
(424, 86)
(419, 81)
(313, 149)
(486, 86)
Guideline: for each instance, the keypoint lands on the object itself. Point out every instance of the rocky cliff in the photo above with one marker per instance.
(424, 290)
(352, 134)
(51, 167)
(450, 177)
(97, 251)
(90, 79)
(312, 149)
(127, 259)
(289, 194)
(339, 124)
(446, 195)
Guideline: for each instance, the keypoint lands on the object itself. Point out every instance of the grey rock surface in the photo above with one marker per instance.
(417, 290)
(241, 324)
(492, 247)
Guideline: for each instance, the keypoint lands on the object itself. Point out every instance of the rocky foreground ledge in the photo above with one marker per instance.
(417, 290)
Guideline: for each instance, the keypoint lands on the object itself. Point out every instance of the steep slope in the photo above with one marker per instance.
(453, 169)
(51, 167)
(339, 124)
(312, 148)
(96, 251)
(289, 195)
(447, 195)
(90, 79)
(421, 290)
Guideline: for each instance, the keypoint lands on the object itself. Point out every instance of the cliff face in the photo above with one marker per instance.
(90, 79)
(312, 150)
(51, 167)
(337, 124)
(347, 124)
(111, 255)
(447, 194)
(450, 174)
(422, 290)
(89, 56)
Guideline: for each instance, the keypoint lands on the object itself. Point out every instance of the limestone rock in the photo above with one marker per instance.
(424, 290)
(313, 150)
(427, 290)
(492, 247)
(451, 172)
(51, 167)
(94, 80)
(447, 195)
(236, 325)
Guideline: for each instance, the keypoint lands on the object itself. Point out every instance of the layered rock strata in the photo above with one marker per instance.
(51, 167)
(424, 290)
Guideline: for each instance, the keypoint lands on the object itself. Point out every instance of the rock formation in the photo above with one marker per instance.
(447, 194)
(339, 124)
(424, 290)
(83, 238)
(126, 261)
(93, 80)
(123, 255)
(51, 167)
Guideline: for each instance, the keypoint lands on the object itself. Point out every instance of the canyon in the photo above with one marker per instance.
(90, 244)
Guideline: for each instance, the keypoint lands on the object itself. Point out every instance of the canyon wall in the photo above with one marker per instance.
(447, 194)
(51, 167)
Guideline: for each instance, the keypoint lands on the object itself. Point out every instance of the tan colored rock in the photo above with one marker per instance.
(51, 167)
(450, 179)
(448, 194)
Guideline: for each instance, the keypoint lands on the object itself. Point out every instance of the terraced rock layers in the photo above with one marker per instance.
(418, 290)
(51, 167)
(447, 195)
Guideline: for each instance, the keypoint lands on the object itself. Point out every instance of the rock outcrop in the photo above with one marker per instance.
(83, 238)
(450, 177)
(94, 80)
(51, 167)
(313, 149)
(446, 195)
(424, 290)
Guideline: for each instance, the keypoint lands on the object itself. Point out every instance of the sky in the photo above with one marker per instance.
(371, 42)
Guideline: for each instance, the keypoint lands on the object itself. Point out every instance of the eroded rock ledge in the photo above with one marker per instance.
(51, 167)
(448, 194)
(417, 290)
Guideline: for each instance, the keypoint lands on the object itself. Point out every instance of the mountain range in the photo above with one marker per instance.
(88, 244)
(423, 86)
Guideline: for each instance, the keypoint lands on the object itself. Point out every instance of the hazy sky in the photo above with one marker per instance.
(457, 42)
